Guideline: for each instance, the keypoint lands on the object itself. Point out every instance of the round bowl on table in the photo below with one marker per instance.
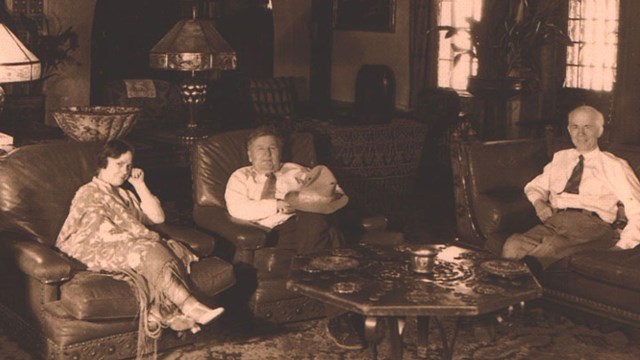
(96, 123)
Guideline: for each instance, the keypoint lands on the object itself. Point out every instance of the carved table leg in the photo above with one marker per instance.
(422, 342)
(394, 338)
(374, 337)
(371, 334)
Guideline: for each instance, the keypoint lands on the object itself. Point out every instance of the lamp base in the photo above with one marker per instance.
(192, 134)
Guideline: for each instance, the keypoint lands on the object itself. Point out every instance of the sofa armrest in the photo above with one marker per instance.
(40, 261)
(243, 234)
(202, 244)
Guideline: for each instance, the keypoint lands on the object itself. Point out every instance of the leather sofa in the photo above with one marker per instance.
(50, 302)
(489, 178)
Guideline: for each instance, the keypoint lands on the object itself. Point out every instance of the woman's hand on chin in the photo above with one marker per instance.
(136, 178)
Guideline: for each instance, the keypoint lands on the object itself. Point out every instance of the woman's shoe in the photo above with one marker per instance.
(199, 312)
(181, 323)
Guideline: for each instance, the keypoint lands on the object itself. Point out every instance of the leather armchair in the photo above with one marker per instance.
(55, 305)
(261, 269)
(489, 178)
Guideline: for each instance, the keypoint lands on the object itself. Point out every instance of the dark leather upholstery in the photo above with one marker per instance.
(71, 311)
(263, 268)
(42, 175)
(279, 100)
(489, 179)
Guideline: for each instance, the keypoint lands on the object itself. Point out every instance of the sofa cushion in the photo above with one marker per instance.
(99, 296)
(96, 296)
(212, 275)
(621, 268)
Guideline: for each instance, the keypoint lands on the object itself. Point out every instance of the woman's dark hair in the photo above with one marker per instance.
(113, 149)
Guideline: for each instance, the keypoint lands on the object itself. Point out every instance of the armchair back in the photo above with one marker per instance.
(38, 208)
(489, 179)
(216, 158)
(277, 98)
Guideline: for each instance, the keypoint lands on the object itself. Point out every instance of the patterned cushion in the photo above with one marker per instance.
(273, 98)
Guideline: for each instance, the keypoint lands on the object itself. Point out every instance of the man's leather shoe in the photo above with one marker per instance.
(534, 265)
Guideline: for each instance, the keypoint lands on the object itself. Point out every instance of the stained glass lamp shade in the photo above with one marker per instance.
(17, 63)
(193, 45)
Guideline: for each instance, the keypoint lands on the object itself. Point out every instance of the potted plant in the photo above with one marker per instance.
(528, 30)
(534, 43)
(472, 32)
(54, 47)
(485, 45)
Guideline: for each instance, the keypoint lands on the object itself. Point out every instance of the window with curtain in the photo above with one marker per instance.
(593, 28)
(454, 73)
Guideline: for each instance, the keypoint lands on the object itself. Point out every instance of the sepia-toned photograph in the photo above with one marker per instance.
(319, 179)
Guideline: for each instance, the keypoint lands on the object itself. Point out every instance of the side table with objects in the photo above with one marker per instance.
(388, 284)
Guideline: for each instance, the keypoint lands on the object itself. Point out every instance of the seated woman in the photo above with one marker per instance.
(106, 230)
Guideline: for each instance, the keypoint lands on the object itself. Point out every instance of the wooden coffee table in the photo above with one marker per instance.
(378, 283)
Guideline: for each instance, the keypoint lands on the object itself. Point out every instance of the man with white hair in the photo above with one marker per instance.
(576, 197)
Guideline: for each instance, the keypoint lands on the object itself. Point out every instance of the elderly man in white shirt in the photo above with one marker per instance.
(576, 197)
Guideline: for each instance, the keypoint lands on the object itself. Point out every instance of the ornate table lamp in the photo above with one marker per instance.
(193, 45)
(17, 63)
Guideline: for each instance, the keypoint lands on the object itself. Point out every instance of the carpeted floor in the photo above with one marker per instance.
(529, 335)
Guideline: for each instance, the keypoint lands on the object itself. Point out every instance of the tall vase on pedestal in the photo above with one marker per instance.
(494, 96)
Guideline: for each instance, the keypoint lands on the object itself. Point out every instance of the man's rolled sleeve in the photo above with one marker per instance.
(628, 191)
(538, 188)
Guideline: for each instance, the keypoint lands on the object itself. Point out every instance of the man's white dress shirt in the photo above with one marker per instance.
(605, 180)
(244, 189)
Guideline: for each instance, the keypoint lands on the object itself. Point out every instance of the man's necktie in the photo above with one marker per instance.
(573, 184)
(269, 189)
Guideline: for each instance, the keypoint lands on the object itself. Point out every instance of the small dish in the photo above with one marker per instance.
(346, 287)
(345, 252)
(334, 263)
(505, 268)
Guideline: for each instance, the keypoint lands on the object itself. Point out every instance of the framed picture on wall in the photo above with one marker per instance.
(364, 15)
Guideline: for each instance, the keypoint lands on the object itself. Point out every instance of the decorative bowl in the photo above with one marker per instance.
(96, 123)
